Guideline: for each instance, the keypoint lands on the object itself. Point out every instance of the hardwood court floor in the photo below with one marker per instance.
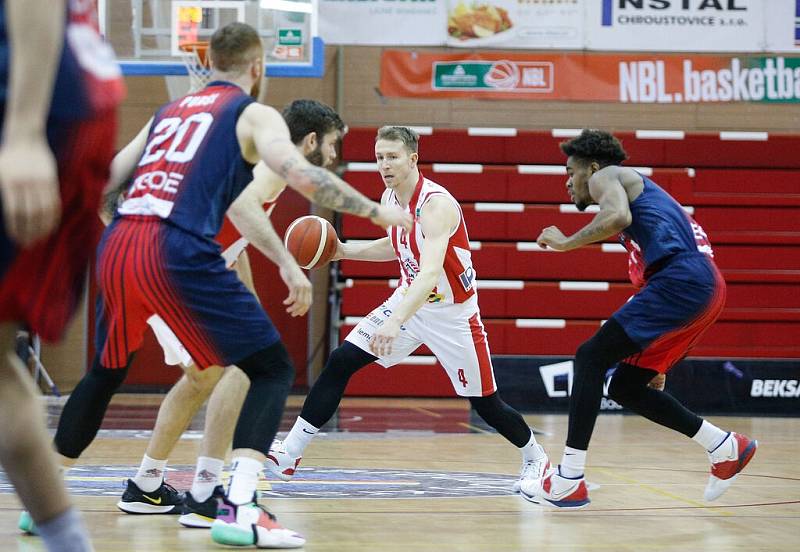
(442, 484)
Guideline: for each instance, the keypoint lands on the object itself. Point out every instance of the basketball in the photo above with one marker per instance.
(311, 240)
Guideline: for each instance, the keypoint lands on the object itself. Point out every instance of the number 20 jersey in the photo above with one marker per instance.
(192, 168)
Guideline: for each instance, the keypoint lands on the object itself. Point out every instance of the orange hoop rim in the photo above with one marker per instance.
(200, 48)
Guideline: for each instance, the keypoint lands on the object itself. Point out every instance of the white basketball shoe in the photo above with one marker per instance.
(727, 460)
(280, 463)
(556, 491)
(532, 469)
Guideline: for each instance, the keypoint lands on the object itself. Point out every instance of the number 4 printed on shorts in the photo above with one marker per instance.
(462, 378)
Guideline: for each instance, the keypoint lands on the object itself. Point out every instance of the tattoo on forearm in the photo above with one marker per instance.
(335, 194)
(111, 198)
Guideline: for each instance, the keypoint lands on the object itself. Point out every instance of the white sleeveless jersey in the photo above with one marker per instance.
(457, 283)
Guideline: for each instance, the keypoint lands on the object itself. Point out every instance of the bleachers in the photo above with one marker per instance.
(743, 188)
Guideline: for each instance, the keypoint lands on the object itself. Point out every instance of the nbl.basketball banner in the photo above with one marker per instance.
(625, 78)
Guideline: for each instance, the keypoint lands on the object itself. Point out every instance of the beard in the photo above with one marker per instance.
(255, 91)
(315, 157)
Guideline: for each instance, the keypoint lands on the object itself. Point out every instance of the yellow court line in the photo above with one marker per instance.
(426, 411)
(662, 492)
(474, 428)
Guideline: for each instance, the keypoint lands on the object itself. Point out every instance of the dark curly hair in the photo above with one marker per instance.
(595, 145)
(306, 116)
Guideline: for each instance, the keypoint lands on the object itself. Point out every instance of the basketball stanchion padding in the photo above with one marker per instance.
(311, 240)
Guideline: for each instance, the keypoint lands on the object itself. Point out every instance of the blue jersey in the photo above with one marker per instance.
(192, 168)
(88, 82)
(659, 229)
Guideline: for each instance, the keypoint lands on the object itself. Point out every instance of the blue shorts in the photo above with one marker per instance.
(671, 312)
(146, 267)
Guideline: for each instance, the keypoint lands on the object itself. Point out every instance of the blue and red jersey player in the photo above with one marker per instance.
(671, 262)
(681, 293)
(42, 283)
(181, 188)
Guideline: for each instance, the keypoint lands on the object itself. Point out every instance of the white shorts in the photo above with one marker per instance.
(174, 352)
(453, 332)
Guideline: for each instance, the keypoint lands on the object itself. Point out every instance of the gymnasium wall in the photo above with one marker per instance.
(356, 70)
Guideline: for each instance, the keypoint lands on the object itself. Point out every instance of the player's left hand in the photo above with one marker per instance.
(658, 382)
(299, 299)
(553, 238)
(29, 190)
(383, 338)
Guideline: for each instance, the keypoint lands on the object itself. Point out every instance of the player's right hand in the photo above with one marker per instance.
(391, 215)
(29, 190)
(339, 255)
(299, 300)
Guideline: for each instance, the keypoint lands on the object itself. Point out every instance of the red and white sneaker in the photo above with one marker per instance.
(556, 491)
(251, 524)
(727, 460)
(532, 469)
(280, 463)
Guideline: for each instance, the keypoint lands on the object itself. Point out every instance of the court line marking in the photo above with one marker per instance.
(475, 428)
(426, 411)
(662, 492)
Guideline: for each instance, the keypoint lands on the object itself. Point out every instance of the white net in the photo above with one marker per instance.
(194, 57)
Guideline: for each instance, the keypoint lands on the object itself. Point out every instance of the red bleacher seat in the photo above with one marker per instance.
(724, 339)
(743, 188)
(724, 225)
(693, 149)
(518, 299)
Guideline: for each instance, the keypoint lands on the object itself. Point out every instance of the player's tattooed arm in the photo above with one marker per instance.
(614, 215)
(111, 200)
(326, 189)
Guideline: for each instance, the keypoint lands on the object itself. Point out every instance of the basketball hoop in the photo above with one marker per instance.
(195, 57)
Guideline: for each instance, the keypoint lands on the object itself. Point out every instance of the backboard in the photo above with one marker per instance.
(147, 34)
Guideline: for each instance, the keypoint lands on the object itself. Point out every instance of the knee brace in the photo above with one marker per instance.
(84, 411)
(272, 363)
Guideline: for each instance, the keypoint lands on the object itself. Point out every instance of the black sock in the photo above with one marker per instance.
(592, 360)
(271, 376)
(507, 421)
(84, 410)
(325, 395)
(629, 388)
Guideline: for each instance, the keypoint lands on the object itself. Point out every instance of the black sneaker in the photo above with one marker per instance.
(164, 500)
(201, 514)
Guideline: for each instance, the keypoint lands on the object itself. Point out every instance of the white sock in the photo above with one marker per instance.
(299, 437)
(532, 450)
(206, 477)
(150, 474)
(710, 436)
(573, 463)
(244, 479)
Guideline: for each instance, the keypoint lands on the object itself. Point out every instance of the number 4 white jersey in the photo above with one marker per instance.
(457, 283)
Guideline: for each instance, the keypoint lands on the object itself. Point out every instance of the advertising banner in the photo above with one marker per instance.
(676, 25)
(626, 78)
(543, 384)
(383, 22)
(515, 24)
(608, 25)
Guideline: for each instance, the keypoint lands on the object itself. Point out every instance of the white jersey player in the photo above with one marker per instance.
(436, 304)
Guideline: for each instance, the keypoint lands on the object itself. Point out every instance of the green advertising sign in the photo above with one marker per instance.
(290, 37)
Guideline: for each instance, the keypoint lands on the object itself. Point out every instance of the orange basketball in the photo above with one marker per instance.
(311, 240)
